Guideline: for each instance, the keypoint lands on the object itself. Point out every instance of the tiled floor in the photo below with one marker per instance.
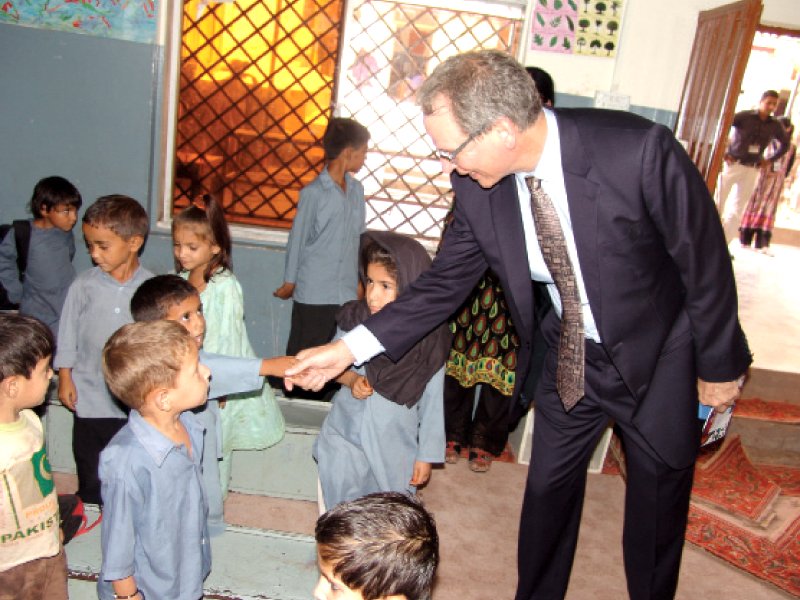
(769, 305)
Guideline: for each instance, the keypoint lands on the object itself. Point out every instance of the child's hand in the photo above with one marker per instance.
(285, 291)
(276, 366)
(422, 473)
(361, 388)
(67, 393)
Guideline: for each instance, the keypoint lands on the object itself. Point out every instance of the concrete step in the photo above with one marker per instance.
(246, 563)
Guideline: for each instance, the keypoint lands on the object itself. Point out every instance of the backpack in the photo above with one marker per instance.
(22, 237)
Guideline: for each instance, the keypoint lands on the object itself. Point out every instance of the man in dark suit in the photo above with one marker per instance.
(655, 295)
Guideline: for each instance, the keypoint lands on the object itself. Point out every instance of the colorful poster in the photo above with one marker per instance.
(133, 20)
(585, 27)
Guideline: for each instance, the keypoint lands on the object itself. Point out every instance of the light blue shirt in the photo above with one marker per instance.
(96, 306)
(322, 252)
(154, 512)
(48, 273)
(364, 345)
(550, 171)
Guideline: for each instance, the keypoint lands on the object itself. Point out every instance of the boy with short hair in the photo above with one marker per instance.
(321, 271)
(154, 533)
(51, 248)
(32, 561)
(173, 298)
(382, 546)
(97, 304)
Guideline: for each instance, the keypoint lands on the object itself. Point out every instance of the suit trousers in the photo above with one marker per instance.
(657, 496)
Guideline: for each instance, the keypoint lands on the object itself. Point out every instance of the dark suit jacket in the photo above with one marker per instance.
(652, 254)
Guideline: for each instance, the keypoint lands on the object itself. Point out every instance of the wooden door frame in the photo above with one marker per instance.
(750, 10)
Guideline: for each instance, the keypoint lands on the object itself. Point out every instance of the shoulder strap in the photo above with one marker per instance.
(22, 236)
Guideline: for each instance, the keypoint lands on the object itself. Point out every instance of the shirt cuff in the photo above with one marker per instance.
(362, 344)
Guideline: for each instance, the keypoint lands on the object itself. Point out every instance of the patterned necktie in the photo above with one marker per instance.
(569, 375)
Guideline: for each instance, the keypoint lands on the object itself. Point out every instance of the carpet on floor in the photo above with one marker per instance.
(761, 410)
(744, 513)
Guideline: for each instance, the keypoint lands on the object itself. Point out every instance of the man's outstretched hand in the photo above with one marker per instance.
(317, 366)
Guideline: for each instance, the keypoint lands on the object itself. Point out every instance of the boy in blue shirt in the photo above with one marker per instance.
(97, 304)
(154, 534)
(321, 271)
(173, 298)
(49, 270)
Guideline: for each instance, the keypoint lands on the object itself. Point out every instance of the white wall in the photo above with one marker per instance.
(654, 49)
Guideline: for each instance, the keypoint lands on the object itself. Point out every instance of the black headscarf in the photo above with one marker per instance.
(403, 381)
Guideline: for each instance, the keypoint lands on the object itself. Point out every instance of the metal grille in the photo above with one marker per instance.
(256, 83)
(393, 45)
(257, 87)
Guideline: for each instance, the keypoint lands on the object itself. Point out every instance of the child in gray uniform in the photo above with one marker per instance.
(386, 425)
(49, 270)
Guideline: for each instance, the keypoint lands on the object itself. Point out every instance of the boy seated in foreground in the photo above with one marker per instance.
(382, 546)
(154, 534)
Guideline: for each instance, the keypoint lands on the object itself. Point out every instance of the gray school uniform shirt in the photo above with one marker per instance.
(96, 306)
(48, 275)
(322, 251)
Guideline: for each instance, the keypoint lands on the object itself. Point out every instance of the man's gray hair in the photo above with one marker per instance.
(483, 86)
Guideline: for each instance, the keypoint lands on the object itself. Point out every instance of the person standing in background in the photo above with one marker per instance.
(759, 215)
(753, 132)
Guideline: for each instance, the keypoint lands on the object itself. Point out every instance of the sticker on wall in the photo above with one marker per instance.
(133, 20)
(585, 27)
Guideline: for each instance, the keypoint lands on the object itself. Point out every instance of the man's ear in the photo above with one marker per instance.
(135, 243)
(506, 131)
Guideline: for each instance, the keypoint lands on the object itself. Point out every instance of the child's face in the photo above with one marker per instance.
(357, 158)
(189, 313)
(109, 251)
(61, 216)
(32, 389)
(330, 587)
(191, 388)
(381, 287)
(191, 250)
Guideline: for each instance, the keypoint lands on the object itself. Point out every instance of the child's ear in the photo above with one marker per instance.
(135, 243)
(163, 401)
(215, 249)
(9, 387)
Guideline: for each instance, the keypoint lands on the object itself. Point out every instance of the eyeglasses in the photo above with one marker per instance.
(451, 156)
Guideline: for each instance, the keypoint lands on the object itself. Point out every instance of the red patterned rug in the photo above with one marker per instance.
(769, 550)
(728, 481)
(755, 408)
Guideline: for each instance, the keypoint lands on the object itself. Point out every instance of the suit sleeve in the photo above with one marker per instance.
(683, 211)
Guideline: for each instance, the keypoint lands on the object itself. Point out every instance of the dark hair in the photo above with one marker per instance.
(24, 341)
(544, 84)
(208, 223)
(374, 253)
(770, 94)
(121, 214)
(381, 545)
(343, 133)
(52, 191)
(140, 357)
(153, 299)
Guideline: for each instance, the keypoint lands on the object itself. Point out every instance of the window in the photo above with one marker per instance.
(260, 78)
